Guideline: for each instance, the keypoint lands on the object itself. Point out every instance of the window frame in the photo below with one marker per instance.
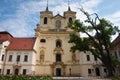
(2, 58)
(70, 19)
(25, 58)
(45, 20)
(0, 71)
(88, 57)
(95, 58)
(18, 58)
(43, 40)
(58, 43)
(58, 58)
(105, 70)
(10, 58)
(7, 71)
(89, 71)
(24, 71)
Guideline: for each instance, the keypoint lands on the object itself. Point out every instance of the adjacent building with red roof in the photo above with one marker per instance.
(17, 43)
(16, 53)
(4, 35)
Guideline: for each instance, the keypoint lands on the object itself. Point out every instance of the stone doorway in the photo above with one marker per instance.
(97, 71)
(16, 69)
(16, 72)
(58, 71)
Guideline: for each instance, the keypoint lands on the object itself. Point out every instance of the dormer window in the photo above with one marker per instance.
(70, 20)
(45, 20)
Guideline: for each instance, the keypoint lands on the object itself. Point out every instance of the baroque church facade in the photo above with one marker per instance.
(52, 36)
(48, 53)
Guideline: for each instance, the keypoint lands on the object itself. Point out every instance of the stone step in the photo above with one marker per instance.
(77, 78)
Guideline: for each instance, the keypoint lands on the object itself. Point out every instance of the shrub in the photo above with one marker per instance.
(21, 77)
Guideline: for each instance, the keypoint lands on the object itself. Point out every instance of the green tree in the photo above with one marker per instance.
(97, 43)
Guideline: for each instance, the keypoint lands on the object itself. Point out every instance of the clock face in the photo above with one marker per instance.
(58, 24)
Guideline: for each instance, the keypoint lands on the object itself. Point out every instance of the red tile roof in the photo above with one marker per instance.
(4, 35)
(17, 43)
(21, 44)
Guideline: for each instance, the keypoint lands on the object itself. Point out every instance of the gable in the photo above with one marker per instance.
(58, 16)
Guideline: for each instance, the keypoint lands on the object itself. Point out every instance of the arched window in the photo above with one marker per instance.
(70, 20)
(41, 56)
(42, 40)
(45, 20)
(58, 57)
(58, 43)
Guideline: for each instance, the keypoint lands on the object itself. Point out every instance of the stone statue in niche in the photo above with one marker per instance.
(41, 56)
(73, 57)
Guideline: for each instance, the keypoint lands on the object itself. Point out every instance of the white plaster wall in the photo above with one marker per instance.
(29, 65)
(3, 48)
(22, 54)
(8, 67)
(28, 68)
(83, 58)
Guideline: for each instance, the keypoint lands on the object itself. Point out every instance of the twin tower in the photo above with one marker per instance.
(57, 23)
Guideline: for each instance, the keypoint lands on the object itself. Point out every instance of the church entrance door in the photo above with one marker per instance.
(58, 71)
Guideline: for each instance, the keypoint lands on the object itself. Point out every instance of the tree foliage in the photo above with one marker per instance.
(99, 42)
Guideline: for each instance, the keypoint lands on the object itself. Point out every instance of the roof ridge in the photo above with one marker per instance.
(6, 32)
(24, 37)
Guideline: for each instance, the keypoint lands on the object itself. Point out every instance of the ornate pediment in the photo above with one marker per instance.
(58, 50)
(58, 16)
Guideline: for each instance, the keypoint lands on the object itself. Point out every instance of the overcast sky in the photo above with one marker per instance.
(19, 17)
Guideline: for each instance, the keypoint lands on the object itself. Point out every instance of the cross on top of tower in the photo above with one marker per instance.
(69, 5)
(47, 6)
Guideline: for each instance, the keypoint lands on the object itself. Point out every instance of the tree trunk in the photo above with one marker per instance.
(108, 67)
(110, 71)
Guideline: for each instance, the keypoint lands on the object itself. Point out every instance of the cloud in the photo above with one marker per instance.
(26, 17)
(114, 18)
(88, 5)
